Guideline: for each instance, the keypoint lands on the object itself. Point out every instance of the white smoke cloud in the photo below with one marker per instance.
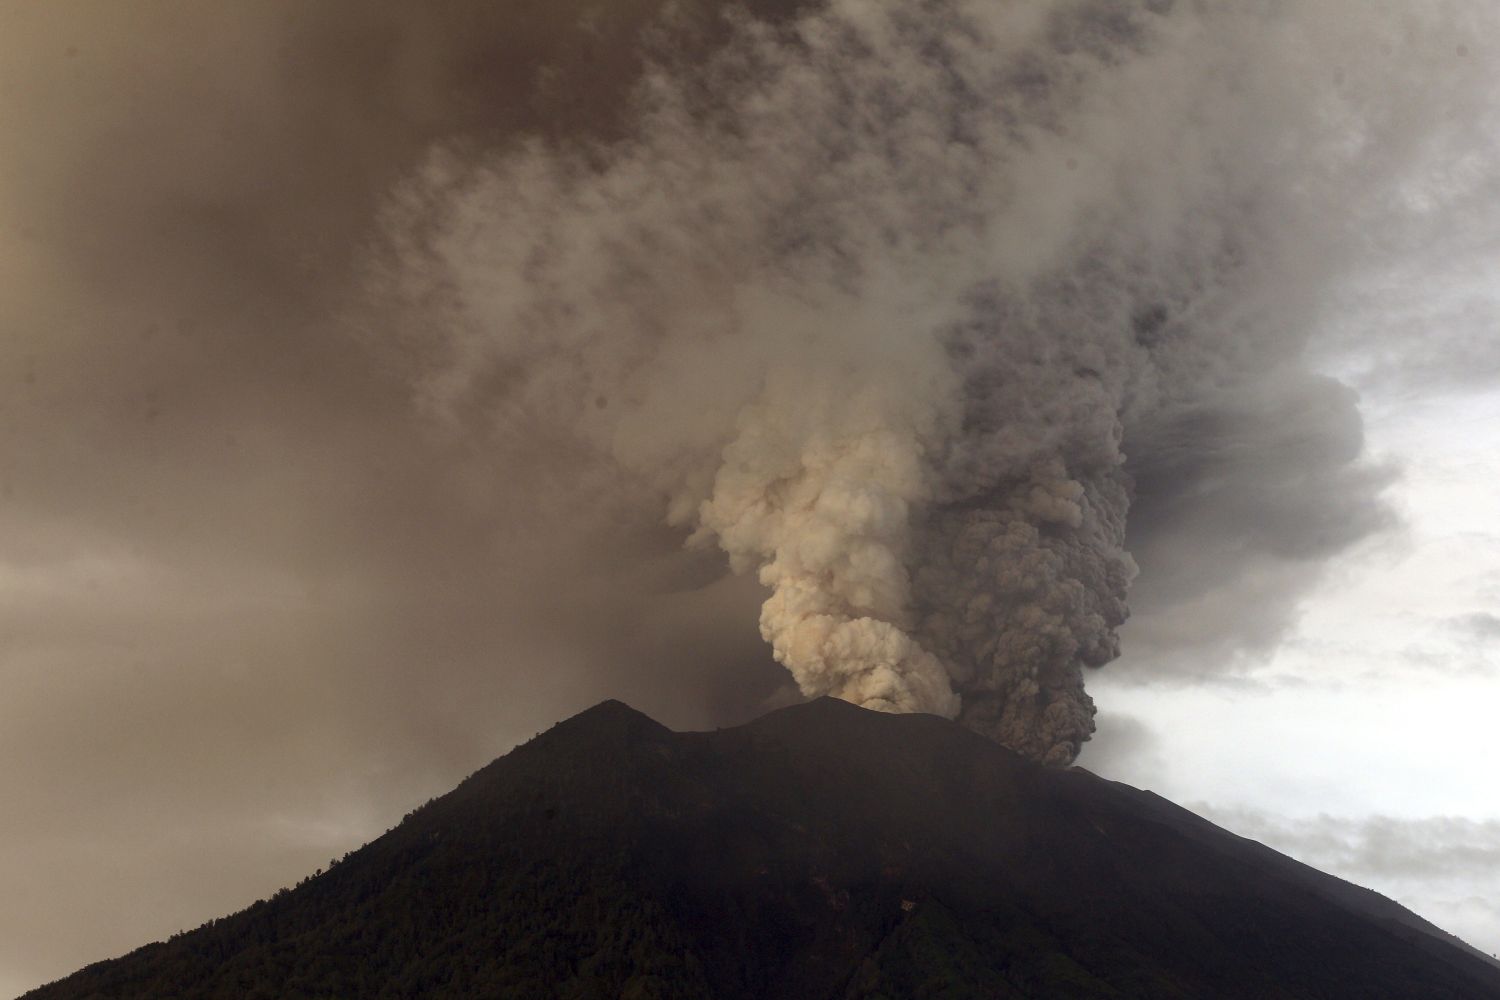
(888, 303)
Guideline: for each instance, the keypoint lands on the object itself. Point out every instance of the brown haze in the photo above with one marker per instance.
(253, 607)
(258, 599)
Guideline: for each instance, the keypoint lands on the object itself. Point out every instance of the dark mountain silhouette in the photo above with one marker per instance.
(822, 851)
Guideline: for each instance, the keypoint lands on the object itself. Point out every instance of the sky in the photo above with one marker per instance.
(383, 384)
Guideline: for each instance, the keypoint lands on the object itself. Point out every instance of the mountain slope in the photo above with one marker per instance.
(821, 851)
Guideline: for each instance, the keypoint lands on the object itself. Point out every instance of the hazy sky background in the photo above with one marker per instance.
(256, 602)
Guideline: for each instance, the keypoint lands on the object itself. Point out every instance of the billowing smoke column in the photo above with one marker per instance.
(878, 300)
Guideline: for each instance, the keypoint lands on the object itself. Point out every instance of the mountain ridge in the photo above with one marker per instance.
(821, 850)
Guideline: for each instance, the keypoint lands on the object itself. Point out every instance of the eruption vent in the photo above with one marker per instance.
(878, 301)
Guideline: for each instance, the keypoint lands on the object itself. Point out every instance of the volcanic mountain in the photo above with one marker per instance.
(823, 851)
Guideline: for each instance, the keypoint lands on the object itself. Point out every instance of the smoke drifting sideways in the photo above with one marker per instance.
(893, 302)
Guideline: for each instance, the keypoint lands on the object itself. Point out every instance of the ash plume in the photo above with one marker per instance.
(888, 301)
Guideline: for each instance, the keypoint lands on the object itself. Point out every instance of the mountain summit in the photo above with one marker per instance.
(822, 851)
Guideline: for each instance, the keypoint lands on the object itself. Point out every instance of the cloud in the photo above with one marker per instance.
(1480, 625)
(1124, 748)
(1375, 847)
(1239, 505)
(1446, 868)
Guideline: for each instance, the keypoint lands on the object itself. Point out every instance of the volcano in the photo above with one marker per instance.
(822, 851)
